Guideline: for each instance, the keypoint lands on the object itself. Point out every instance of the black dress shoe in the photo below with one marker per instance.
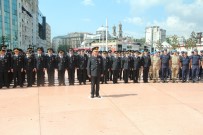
(21, 86)
(14, 86)
(92, 96)
(98, 96)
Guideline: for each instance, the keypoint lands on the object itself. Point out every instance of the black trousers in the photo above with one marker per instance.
(71, 76)
(51, 76)
(110, 74)
(126, 75)
(4, 79)
(61, 77)
(95, 85)
(145, 74)
(115, 76)
(29, 77)
(40, 77)
(135, 75)
(82, 74)
(105, 77)
(164, 71)
(17, 76)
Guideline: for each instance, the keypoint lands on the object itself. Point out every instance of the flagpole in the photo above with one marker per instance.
(106, 34)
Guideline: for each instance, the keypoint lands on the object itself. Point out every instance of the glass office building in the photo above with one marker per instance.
(9, 22)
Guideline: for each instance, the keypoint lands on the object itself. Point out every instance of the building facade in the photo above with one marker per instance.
(20, 24)
(153, 35)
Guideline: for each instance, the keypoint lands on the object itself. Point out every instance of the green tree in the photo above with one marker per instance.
(192, 41)
(159, 45)
(63, 47)
(173, 41)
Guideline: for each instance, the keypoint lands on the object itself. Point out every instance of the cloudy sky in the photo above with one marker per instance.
(179, 17)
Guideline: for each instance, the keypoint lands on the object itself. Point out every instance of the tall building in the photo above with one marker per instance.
(120, 31)
(9, 22)
(21, 24)
(114, 31)
(48, 35)
(153, 35)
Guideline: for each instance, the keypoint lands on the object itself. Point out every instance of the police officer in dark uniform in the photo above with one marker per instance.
(40, 66)
(95, 71)
(146, 63)
(126, 67)
(72, 64)
(29, 67)
(110, 72)
(82, 67)
(17, 65)
(50, 66)
(116, 66)
(195, 64)
(61, 61)
(136, 66)
(106, 66)
(201, 70)
(185, 66)
(5, 67)
(165, 65)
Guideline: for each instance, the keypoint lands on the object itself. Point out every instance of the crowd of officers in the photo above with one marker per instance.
(20, 67)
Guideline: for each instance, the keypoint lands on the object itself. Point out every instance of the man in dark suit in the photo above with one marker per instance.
(29, 67)
(17, 66)
(5, 64)
(95, 71)
(50, 66)
(40, 66)
(146, 63)
(136, 66)
(82, 67)
(61, 62)
(116, 66)
(106, 67)
(72, 63)
(126, 66)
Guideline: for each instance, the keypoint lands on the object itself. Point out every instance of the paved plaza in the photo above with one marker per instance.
(124, 109)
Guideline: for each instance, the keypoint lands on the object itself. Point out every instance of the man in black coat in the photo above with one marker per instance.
(50, 66)
(17, 65)
(72, 64)
(126, 66)
(29, 67)
(40, 66)
(82, 67)
(106, 67)
(61, 65)
(146, 63)
(136, 66)
(5, 66)
(95, 71)
(116, 66)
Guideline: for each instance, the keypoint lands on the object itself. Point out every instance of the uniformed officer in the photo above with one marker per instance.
(72, 64)
(95, 71)
(17, 65)
(106, 66)
(5, 67)
(165, 65)
(126, 66)
(151, 67)
(116, 66)
(180, 70)
(82, 67)
(146, 63)
(201, 70)
(29, 67)
(110, 73)
(185, 66)
(156, 65)
(136, 66)
(61, 62)
(175, 58)
(195, 64)
(50, 66)
(40, 66)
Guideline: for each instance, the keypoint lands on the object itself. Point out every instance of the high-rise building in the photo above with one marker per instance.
(21, 24)
(153, 35)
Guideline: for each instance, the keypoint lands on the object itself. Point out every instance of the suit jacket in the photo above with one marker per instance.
(82, 61)
(95, 66)
(146, 61)
(5, 64)
(40, 62)
(50, 62)
(106, 63)
(126, 61)
(61, 63)
(71, 61)
(136, 62)
(17, 62)
(116, 63)
(29, 63)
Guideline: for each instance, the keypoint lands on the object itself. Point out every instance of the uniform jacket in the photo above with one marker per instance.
(95, 66)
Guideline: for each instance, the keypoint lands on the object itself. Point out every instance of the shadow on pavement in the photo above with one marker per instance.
(119, 96)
